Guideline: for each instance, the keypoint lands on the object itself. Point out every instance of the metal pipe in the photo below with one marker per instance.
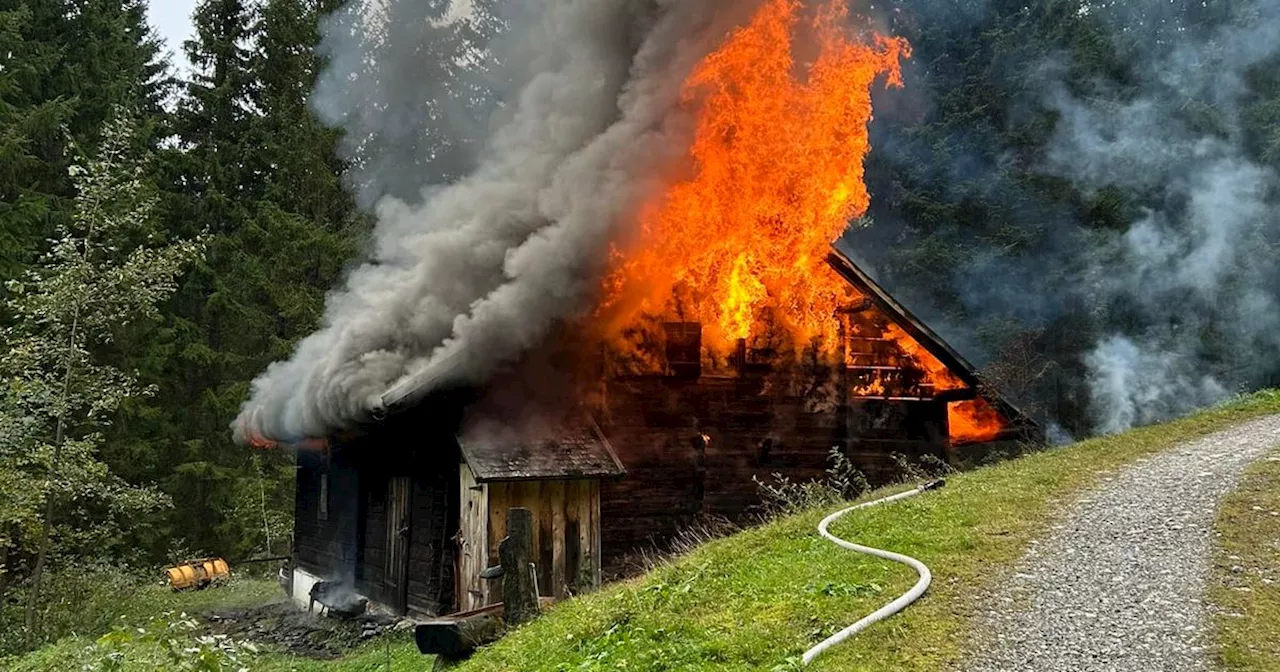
(926, 577)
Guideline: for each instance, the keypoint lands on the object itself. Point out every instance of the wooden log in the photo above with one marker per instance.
(456, 636)
(519, 592)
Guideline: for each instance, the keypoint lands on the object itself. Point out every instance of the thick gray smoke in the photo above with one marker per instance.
(1200, 252)
(488, 230)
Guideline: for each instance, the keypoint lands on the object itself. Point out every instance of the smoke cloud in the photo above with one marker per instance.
(490, 227)
(1178, 303)
(502, 145)
(1192, 261)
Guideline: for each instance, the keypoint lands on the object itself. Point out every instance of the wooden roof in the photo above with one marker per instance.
(570, 450)
(926, 337)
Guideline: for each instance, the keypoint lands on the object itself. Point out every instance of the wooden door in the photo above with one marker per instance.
(395, 579)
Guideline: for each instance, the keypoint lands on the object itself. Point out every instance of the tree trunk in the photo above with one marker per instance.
(42, 555)
(5, 570)
(456, 637)
(59, 436)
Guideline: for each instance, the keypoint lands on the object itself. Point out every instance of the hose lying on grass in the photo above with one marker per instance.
(893, 607)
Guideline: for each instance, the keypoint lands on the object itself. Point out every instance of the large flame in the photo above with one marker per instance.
(777, 176)
(973, 421)
(739, 244)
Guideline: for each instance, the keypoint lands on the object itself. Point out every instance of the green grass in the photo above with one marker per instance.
(1245, 584)
(86, 606)
(751, 601)
(754, 600)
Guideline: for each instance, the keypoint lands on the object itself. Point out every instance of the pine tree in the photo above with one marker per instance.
(256, 170)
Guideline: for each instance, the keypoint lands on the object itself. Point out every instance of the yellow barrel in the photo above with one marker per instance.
(197, 574)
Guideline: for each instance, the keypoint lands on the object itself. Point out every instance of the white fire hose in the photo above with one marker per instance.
(893, 607)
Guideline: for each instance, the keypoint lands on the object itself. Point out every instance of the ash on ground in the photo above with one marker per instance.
(282, 625)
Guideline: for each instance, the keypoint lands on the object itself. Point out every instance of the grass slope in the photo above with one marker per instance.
(757, 600)
(754, 600)
(1245, 586)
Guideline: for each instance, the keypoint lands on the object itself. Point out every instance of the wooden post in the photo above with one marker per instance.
(519, 592)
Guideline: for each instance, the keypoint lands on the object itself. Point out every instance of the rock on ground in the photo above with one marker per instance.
(1119, 584)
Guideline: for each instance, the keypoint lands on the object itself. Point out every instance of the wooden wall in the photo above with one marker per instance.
(371, 556)
(755, 425)
(566, 535)
(434, 512)
(353, 544)
(325, 547)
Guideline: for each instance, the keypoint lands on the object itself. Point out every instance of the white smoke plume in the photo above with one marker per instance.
(467, 272)
(1199, 259)
(1137, 247)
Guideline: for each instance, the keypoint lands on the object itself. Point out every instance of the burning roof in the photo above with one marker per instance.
(724, 218)
(976, 412)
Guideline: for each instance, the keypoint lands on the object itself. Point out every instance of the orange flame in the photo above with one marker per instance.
(973, 421)
(255, 439)
(740, 244)
(936, 372)
(778, 174)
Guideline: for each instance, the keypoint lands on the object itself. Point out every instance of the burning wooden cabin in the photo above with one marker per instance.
(410, 510)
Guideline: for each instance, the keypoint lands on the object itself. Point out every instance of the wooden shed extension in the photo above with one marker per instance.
(555, 473)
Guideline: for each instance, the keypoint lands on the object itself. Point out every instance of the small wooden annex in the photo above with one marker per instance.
(555, 476)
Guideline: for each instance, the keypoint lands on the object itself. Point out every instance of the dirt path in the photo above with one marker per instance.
(1119, 584)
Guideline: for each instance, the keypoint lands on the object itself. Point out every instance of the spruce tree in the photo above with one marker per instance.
(255, 170)
(64, 66)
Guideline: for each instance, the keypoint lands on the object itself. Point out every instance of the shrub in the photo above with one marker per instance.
(843, 482)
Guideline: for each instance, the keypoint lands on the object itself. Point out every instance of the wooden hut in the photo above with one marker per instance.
(408, 511)
(408, 515)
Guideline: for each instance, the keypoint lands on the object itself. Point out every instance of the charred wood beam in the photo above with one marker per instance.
(861, 306)
(964, 394)
(519, 583)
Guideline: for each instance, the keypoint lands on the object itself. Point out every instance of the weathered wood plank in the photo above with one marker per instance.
(544, 536)
(578, 537)
(595, 532)
(557, 494)
(473, 541)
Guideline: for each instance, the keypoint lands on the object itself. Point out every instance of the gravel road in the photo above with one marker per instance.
(1119, 583)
